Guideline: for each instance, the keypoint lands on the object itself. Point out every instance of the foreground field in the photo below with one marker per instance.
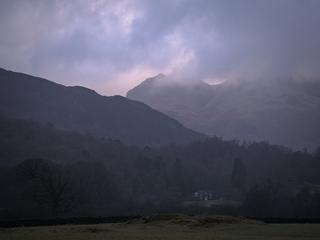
(142, 231)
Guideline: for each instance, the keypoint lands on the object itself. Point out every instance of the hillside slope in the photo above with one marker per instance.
(83, 110)
(281, 112)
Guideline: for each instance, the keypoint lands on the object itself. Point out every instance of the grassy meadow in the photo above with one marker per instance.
(166, 230)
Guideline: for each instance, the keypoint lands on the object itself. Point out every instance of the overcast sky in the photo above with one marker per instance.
(112, 45)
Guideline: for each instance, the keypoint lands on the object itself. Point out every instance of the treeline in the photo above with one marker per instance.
(38, 188)
(46, 173)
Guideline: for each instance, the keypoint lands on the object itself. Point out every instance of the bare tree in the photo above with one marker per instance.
(48, 183)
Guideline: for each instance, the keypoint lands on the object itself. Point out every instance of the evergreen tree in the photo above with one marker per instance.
(239, 174)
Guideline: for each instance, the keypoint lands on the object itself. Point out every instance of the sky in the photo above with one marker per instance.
(113, 45)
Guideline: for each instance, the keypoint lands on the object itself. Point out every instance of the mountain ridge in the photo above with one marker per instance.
(80, 109)
(281, 112)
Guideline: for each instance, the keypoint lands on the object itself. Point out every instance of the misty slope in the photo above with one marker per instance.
(81, 109)
(281, 112)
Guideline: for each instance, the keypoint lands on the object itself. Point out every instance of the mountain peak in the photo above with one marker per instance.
(159, 76)
(250, 110)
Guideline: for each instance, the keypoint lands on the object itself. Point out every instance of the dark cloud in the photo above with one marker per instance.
(110, 45)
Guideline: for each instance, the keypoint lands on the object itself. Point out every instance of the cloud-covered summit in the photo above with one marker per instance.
(114, 44)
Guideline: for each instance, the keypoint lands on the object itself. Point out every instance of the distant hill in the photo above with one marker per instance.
(80, 109)
(281, 112)
(23, 139)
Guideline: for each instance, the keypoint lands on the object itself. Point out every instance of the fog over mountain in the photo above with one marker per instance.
(111, 46)
(284, 112)
(168, 111)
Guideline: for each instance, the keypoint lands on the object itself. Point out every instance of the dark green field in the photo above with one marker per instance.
(177, 229)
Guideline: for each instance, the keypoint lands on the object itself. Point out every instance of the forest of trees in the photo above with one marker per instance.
(48, 173)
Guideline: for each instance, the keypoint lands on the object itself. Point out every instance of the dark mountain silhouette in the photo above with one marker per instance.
(282, 112)
(80, 109)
